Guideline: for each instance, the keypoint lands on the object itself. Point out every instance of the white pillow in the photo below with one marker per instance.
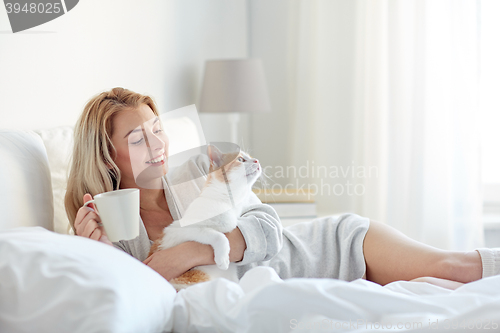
(58, 142)
(59, 283)
(25, 189)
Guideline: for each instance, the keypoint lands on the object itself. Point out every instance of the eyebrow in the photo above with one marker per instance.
(138, 129)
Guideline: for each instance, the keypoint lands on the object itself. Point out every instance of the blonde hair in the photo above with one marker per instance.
(92, 167)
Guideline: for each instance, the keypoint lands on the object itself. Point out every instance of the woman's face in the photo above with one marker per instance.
(141, 148)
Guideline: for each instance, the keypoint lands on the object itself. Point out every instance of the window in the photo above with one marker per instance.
(490, 117)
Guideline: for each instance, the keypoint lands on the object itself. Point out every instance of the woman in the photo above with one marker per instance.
(346, 248)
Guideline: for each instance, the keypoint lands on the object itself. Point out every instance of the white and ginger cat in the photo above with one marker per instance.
(218, 209)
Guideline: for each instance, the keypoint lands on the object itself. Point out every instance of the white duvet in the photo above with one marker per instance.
(262, 302)
(52, 283)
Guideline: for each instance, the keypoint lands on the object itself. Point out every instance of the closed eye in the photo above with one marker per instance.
(137, 142)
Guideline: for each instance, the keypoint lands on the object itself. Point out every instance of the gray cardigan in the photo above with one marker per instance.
(259, 223)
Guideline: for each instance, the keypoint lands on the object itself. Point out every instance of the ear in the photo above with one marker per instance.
(215, 156)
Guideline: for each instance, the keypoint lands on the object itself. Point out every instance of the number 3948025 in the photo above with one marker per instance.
(47, 8)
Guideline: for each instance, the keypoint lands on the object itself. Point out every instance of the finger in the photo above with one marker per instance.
(89, 228)
(84, 214)
(96, 234)
(80, 215)
(88, 197)
(104, 237)
(101, 227)
(82, 224)
(93, 216)
(148, 259)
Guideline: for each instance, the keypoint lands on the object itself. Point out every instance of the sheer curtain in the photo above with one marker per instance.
(392, 85)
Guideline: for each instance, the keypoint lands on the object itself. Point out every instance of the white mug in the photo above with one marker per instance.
(119, 212)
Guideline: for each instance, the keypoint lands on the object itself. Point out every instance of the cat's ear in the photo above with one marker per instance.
(215, 156)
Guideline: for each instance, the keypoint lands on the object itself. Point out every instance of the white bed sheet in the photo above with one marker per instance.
(75, 283)
(262, 302)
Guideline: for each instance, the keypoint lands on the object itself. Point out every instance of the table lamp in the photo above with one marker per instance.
(233, 86)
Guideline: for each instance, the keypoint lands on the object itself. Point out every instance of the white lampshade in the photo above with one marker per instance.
(234, 85)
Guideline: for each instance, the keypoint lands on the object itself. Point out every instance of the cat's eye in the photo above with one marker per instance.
(241, 159)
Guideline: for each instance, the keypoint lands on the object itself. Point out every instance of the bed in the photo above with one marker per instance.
(51, 281)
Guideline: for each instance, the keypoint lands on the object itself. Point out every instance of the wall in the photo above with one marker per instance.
(275, 38)
(157, 47)
(268, 24)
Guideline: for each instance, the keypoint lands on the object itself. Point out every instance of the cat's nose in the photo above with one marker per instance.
(256, 161)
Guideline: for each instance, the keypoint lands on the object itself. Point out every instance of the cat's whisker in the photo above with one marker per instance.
(265, 184)
(266, 176)
(263, 180)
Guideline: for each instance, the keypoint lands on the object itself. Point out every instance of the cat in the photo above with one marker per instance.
(224, 201)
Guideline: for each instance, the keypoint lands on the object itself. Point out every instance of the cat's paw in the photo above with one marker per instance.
(222, 263)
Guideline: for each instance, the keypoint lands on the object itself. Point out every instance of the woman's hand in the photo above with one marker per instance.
(173, 262)
(237, 243)
(86, 223)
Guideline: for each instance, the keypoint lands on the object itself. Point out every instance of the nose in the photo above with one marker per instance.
(256, 160)
(156, 143)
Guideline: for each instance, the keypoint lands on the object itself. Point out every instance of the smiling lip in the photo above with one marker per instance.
(162, 156)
